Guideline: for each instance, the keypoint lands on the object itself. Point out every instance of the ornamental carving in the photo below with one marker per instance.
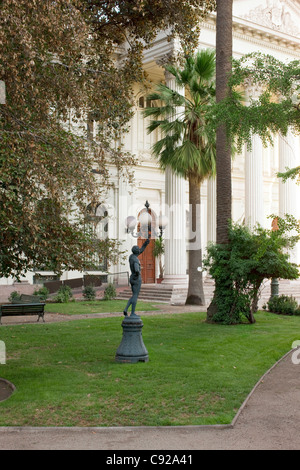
(275, 14)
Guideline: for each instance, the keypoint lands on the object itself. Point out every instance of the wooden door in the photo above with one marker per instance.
(147, 258)
(147, 261)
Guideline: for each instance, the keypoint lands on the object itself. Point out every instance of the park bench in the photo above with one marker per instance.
(25, 308)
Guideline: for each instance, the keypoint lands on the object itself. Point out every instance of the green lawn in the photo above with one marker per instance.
(95, 306)
(198, 373)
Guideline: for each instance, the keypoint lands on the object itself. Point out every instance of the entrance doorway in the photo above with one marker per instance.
(147, 258)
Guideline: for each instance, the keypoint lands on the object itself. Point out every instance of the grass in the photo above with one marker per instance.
(95, 306)
(198, 373)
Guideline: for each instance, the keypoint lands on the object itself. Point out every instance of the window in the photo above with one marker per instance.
(97, 225)
(143, 102)
(92, 120)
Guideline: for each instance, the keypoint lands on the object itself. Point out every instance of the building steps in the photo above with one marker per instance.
(177, 295)
(150, 293)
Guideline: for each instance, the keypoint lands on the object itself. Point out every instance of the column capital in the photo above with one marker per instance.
(253, 90)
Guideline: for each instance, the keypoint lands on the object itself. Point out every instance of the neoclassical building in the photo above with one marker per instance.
(269, 26)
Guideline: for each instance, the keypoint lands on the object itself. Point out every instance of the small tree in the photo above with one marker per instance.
(158, 251)
(240, 267)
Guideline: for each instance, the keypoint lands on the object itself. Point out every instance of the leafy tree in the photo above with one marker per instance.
(62, 61)
(241, 266)
(185, 146)
(138, 22)
(277, 108)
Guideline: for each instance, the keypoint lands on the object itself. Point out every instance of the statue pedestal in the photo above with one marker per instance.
(132, 348)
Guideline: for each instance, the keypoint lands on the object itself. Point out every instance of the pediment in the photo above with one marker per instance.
(278, 15)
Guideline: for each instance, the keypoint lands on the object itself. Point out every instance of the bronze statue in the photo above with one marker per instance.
(135, 277)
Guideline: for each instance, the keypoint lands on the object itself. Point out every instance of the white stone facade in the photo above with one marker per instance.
(268, 26)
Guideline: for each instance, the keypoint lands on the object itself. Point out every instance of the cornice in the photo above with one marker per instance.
(260, 35)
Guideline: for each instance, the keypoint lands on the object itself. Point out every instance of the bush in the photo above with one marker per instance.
(64, 294)
(89, 293)
(15, 295)
(240, 267)
(110, 292)
(284, 304)
(43, 293)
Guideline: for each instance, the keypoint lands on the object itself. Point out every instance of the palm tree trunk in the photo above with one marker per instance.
(223, 151)
(195, 294)
(223, 147)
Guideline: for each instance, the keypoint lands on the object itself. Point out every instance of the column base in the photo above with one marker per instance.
(176, 279)
(179, 284)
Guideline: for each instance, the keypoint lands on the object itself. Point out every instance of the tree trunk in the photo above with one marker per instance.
(254, 304)
(223, 148)
(195, 294)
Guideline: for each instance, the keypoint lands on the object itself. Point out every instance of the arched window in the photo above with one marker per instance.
(143, 102)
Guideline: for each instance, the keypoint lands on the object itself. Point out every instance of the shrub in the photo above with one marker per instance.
(43, 293)
(110, 292)
(89, 293)
(64, 294)
(287, 305)
(240, 267)
(158, 251)
(15, 295)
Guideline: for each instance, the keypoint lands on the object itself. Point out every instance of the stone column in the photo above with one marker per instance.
(175, 234)
(254, 194)
(289, 192)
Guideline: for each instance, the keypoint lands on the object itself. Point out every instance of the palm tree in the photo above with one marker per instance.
(223, 70)
(223, 148)
(185, 145)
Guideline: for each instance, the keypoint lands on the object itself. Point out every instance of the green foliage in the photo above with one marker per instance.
(43, 293)
(277, 106)
(64, 294)
(240, 267)
(89, 293)
(58, 62)
(159, 247)
(287, 305)
(15, 295)
(185, 144)
(110, 292)
(291, 173)
(158, 251)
